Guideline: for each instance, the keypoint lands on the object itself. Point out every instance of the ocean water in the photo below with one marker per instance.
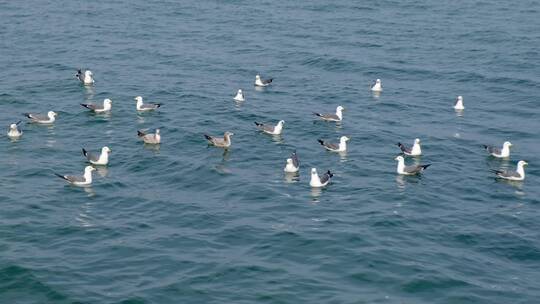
(188, 223)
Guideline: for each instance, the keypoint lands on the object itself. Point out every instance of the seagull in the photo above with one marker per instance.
(239, 96)
(332, 117)
(14, 131)
(377, 86)
(107, 104)
(414, 151)
(341, 147)
(86, 78)
(224, 142)
(459, 103)
(496, 152)
(409, 170)
(153, 139)
(317, 182)
(84, 180)
(262, 82)
(98, 159)
(42, 119)
(292, 165)
(517, 175)
(146, 107)
(273, 130)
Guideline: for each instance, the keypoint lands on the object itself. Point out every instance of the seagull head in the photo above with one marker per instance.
(399, 158)
(89, 169)
(344, 139)
(313, 171)
(51, 114)
(157, 131)
(88, 73)
(106, 150)
(229, 133)
(460, 98)
(522, 163)
(507, 144)
(340, 108)
(281, 122)
(289, 161)
(239, 91)
(13, 126)
(257, 77)
(107, 101)
(417, 141)
(378, 80)
(138, 98)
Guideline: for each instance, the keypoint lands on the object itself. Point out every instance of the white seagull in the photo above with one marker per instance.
(292, 165)
(259, 82)
(409, 170)
(42, 119)
(414, 151)
(107, 105)
(332, 117)
(317, 182)
(377, 86)
(341, 147)
(499, 153)
(86, 78)
(458, 105)
(98, 159)
(152, 139)
(145, 107)
(273, 130)
(239, 96)
(14, 131)
(517, 175)
(84, 180)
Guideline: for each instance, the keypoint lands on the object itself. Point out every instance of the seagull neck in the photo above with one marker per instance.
(139, 103)
(505, 152)
(400, 165)
(520, 170)
(342, 145)
(416, 149)
(106, 106)
(339, 114)
(104, 157)
(315, 179)
(88, 176)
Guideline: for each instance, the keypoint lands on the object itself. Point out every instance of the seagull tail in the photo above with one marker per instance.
(424, 167)
(158, 105)
(269, 80)
(140, 133)
(321, 141)
(317, 114)
(496, 171)
(332, 174)
(84, 152)
(60, 175)
(85, 105)
(27, 115)
(485, 147)
(208, 137)
(258, 124)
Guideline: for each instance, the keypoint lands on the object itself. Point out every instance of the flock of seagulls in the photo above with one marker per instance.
(292, 165)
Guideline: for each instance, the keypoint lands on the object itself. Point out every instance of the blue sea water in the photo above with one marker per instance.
(187, 223)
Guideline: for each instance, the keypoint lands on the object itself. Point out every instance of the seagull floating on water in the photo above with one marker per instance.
(341, 147)
(14, 131)
(292, 165)
(499, 153)
(409, 170)
(224, 142)
(146, 106)
(414, 151)
(107, 105)
(377, 86)
(318, 182)
(85, 77)
(273, 130)
(84, 180)
(517, 175)
(239, 96)
(42, 119)
(98, 159)
(152, 139)
(332, 117)
(459, 103)
(259, 82)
